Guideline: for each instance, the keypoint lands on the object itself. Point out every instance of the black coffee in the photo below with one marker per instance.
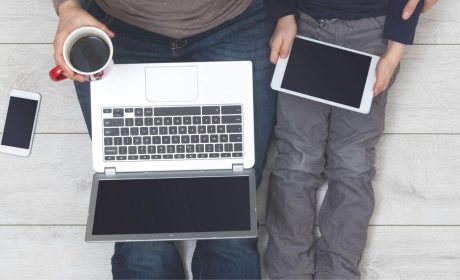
(89, 54)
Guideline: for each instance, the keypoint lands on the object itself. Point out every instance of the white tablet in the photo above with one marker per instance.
(327, 73)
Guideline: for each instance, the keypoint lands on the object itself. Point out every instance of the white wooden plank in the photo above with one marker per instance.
(426, 95)
(26, 67)
(57, 252)
(29, 252)
(52, 186)
(34, 21)
(27, 21)
(424, 99)
(440, 25)
(416, 183)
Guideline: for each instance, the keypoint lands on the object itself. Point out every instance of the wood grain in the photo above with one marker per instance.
(424, 99)
(57, 252)
(26, 67)
(416, 183)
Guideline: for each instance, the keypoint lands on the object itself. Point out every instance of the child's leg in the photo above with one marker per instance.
(301, 134)
(349, 201)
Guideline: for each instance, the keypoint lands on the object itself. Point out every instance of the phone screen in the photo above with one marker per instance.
(326, 72)
(19, 123)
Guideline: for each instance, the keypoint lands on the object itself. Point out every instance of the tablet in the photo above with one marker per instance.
(327, 73)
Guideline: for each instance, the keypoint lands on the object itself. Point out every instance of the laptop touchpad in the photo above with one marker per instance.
(171, 83)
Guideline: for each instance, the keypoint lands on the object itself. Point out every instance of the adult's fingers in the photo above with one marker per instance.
(409, 9)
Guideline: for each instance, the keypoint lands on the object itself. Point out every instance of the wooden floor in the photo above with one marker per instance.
(415, 230)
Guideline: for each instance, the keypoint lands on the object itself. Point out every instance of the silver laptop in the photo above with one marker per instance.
(173, 151)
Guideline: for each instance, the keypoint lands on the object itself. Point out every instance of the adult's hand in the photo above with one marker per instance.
(282, 37)
(71, 17)
(412, 4)
(387, 66)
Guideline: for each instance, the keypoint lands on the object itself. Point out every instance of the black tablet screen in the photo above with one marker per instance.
(326, 72)
(172, 205)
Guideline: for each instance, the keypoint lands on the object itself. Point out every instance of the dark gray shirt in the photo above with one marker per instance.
(173, 18)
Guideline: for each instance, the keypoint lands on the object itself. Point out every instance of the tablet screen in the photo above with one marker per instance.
(326, 72)
(172, 205)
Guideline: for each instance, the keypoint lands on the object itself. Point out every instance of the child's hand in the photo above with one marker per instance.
(282, 37)
(412, 4)
(387, 66)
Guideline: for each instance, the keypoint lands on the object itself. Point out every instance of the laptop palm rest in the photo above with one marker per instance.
(171, 83)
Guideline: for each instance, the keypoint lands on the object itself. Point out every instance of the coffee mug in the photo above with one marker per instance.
(87, 51)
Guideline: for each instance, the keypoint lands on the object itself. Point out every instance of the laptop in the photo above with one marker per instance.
(173, 151)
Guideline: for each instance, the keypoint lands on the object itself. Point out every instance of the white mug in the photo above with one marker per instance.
(87, 51)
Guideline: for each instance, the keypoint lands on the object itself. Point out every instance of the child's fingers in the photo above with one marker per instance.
(275, 49)
(409, 9)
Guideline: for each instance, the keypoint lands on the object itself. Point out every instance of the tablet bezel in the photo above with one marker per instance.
(367, 95)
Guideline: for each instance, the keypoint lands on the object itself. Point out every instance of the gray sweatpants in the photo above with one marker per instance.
(317, 142)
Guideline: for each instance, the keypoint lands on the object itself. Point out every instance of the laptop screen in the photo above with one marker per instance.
(172, 205)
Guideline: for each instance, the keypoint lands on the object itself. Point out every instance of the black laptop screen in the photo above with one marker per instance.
(172, 205)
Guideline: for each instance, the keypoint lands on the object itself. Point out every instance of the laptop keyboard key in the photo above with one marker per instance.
(110, 150)
(211, 110)
(122, 150)
(144, 131)
(113, 122)
(231, 119)
(234, 128)
(134, 131)
(127, 141)
(142, 150)
(118, 141)
(228, 110)
(122, 157)
(133, 157)
(111, 131)
(152, 149)
(138, 112)
(238, 147)
(137, 140)
(144, 157)
(132, 150)
(109, 158)
(108, 141)
(124, 131)
(236, 138)
(118, 113)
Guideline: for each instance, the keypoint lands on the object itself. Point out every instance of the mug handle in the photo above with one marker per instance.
(57, 74)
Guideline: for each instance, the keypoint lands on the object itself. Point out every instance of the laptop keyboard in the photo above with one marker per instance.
(167, 133)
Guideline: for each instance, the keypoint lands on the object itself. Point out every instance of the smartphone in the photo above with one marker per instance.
(21, 118)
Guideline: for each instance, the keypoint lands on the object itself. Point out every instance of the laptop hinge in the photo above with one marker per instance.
(110, 171)
(237, 167)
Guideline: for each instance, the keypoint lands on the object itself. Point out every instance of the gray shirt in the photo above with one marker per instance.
(173, 18)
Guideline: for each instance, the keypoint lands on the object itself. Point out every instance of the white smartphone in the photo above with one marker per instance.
(21, 118)
(327, 73)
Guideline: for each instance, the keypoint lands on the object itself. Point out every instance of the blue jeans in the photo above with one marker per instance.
(243, 38)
